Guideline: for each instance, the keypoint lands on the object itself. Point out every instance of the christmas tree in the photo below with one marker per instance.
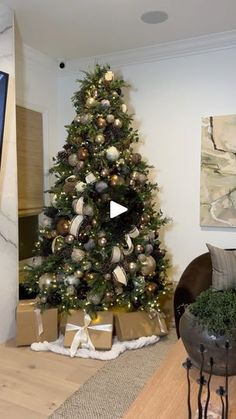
(86, 257)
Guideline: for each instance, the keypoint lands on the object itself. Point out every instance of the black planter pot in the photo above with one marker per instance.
(192, 335)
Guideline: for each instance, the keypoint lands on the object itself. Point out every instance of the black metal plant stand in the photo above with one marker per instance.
(222, 391)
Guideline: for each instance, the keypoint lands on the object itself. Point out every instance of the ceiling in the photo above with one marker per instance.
(72, 29)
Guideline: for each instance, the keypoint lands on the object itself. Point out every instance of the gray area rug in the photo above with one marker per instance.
(110, 392)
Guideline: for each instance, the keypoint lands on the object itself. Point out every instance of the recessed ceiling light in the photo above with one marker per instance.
(154, 17)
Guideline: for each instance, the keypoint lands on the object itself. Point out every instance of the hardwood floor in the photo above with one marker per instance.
(34, 384)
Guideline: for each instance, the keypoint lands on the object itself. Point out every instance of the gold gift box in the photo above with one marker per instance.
(29, 322)
(101, 339)
(136, 324)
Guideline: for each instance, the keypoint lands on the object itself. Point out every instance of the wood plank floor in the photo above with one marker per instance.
(34, 384)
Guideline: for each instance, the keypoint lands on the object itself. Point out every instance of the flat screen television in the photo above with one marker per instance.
(3, 100)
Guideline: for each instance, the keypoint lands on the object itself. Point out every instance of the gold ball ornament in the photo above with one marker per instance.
(58, 244)
(63, 226)
(139, 248)
(78, 273)
(109, 76)
(46, 280)
(145, 218)
(73, 159)
(83, 154)
(148, 264)
(117, 123)
(133, 267)
(91, 102)
(69, 239)
(100, 139)
(151, 287)
(116, 180)
(77, 255)
(104, 172)
(110, 118)
(101, 122)
(102, 241)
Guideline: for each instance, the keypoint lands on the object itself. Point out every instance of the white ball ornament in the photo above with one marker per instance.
(112, 154)
(45, 280)
(110, 118)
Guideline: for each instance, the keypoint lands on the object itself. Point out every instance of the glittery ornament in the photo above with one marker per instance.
(117, 123)
(101, 186)
(109, 76)
(77, 255)
(88, 210)
(45, 280)
(105, 103)
(37, 261)
(69, 239)
(148, 249)
(70, 290)
(86, 118)
(112, 154)
(94, 298)
(101, 122)
(83, 154)
(135, 158)
(73, 159)
(110, 118)
(63, 226)
(71, 280)
(99, 139)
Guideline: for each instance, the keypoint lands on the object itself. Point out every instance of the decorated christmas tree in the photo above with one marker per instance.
(99, 245)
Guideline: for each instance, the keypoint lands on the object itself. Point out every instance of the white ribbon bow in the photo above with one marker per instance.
(82, 335)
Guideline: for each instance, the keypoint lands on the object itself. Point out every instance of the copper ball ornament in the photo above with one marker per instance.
(145, 218)
(101, 122)
(83, 154)
(151, 287)
(63, 226)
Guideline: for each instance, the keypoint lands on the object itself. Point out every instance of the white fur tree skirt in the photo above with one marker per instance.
(117, 348)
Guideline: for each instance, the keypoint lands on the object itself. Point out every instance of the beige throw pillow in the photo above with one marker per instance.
(223, 267)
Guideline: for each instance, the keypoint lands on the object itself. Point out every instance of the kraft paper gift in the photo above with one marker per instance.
(33, 325)
(82, 331)
(136, 324)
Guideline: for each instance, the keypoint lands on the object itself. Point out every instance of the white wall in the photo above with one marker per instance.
(36, 89)
(169, 98)
(8, 186)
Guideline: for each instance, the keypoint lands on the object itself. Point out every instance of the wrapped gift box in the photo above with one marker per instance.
(136, 324)
(33, 325)
(99, 331)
